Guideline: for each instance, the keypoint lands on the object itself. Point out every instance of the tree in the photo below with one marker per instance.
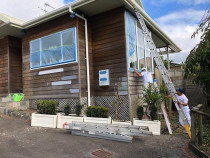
(197, 65)
(165, 62)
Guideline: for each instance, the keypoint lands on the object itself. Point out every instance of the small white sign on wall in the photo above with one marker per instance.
(104, 77)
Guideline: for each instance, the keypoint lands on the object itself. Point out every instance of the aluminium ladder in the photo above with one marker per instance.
(123, 133)
(162, 69)
(164, 113)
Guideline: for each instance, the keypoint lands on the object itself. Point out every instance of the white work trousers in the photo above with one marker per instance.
(187, 115)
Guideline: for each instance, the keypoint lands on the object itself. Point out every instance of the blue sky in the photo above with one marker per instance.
(177, 18)
(164, 7)
(67, 1)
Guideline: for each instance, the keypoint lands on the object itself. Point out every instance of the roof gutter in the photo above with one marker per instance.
(55, 13)
(151, 22)
(7, 21)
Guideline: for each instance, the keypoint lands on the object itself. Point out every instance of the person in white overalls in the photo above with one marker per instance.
(183, 104)
(147, 76)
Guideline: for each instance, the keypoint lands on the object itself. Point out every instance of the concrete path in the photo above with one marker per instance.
(19, 140)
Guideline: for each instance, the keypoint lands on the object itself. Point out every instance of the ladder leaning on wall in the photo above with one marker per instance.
(162, 69)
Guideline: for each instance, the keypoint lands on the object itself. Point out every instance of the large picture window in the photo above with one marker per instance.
(139, 54)
(54, 49)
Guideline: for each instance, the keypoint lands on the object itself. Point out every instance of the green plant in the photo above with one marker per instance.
(47, 107)
(153, 112)
(197, 66)
(78, 109)
(67, 109)
(140, 112)
(153, 98)
(97, 111)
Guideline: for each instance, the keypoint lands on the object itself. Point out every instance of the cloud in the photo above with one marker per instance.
(27, 10)
(189, 16)
(179, 26)
(177, 58)
(183, 2)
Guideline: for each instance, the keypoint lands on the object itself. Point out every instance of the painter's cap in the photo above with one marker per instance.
(180, 90)
(143, 69)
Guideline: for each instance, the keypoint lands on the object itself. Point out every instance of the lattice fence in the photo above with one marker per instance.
(109, 102)
(106, 101)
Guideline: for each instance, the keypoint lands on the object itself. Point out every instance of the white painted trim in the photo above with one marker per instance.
(51, 71)
(54, 65)
(60, 83)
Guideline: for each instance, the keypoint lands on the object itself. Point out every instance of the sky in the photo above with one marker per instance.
(177, 18)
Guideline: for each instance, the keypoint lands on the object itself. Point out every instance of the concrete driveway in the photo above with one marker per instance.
(19, 140)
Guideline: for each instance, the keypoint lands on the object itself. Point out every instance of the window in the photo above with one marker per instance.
(131, 41)
(139, 55)
(54, 49)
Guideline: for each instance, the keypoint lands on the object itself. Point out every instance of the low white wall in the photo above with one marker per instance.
(43, 120)
(154, 126)
(98, 120)
(68, 119)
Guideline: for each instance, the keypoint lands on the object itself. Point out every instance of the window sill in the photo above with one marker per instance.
(53, 65)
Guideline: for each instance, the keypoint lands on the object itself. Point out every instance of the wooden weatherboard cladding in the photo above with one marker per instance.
(109, 51)
(4, 66)
(15, 64)
(10, 65)
(61, 81)
(135, 90)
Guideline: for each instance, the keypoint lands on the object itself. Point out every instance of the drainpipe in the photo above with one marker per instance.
(86, 49)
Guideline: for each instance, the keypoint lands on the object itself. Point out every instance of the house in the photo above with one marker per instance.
(64, 50)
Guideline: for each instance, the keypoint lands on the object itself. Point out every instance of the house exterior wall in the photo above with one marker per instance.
(10, 65)
(108, 37)
(135, 92)
(4, 58)
(38, 86)
(109, 52)
(15, 64)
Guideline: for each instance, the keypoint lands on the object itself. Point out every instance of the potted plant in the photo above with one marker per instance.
(153, 98)
(46, 114)
(67, 117)
(97, 114)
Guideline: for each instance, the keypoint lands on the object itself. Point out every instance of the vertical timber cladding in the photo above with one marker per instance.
(4, 66)
(55, 82)
(15, 64)
(109, 52)
(135, 90)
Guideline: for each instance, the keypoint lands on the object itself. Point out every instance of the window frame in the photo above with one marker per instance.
(137, 48)
(55, 64)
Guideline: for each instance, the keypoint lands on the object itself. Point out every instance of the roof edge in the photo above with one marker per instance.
(150, 21)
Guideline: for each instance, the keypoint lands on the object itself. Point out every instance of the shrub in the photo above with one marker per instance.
(153, 99)
(97, 111)
(153, 113)
(47, 107)
(78, 109)
(67, 109)
(140, 112)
